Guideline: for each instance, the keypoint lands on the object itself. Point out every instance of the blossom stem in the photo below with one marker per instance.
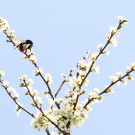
(107, 88)
(25, 110)
(101, 52)
(9, 38)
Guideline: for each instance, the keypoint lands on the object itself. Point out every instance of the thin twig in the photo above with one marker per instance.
(63, 82)
(49, 89)
(106, 89)
(100, 52)
(40, 108)
(25, 110)
(77, 98)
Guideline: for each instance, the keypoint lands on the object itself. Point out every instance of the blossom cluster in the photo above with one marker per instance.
(65, 117)
(3, 25)
(10, 89)
(26, 83)
(11, 92)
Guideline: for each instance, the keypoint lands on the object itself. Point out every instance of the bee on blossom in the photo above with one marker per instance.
(24, 45)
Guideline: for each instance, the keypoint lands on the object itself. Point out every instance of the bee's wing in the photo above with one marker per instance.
(18, 41)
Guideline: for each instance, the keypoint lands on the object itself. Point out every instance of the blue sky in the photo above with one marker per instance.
(62, 32)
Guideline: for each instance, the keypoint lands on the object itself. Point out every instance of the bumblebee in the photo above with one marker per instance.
(25, 45)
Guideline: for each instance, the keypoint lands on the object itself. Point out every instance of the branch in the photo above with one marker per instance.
(63, 82)
(77, 98)
(50, 92)
(106, 89)
(14, 99)
(47, 131)
(40, 74)
(92, 64)
(101, 52)
(10, 39)
(40, 109)
(69, 75)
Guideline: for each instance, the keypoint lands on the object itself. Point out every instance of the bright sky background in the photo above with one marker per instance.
(62, 32)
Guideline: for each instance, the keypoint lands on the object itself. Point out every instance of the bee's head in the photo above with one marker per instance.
(28, 42)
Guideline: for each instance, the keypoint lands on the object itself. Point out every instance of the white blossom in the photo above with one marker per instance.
(130, 78)
(133, 66)
(3, 25)
(96, 69)
(100, 46)
(38, 100)
(119, 74)
(114, 42)
(2, 73)
(23, 78)
(107, 52)
(94, 56)
(35, 92)
(12, 34)
(125, 82)
(18, 109)
(107, 36)
(33, 58)
(39, 122)
(83, 65)
(113, 30)
(110, 89)
(37, 71)
(5, 83)
(48, 78)
(30, 82)
(16, 95)
(96, 90)
(12, 91)
(114, 78)
(121, 18)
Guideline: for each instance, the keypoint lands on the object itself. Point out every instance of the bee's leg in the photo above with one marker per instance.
(31, 50)
(25, 51)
